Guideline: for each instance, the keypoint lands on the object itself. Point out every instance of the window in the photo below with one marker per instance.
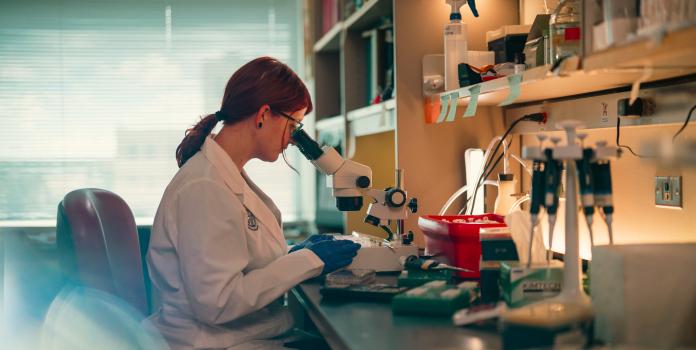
(99, 93)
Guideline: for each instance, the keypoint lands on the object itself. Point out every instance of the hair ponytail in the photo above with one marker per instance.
(194, 139)
(263, 80)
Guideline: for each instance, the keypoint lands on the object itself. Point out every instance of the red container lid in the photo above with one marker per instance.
(458, 227)
(456, 239)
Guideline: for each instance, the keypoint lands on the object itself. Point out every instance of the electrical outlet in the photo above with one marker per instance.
(668, 191)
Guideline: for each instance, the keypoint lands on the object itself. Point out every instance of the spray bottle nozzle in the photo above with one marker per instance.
(472, 6)
(457, 4)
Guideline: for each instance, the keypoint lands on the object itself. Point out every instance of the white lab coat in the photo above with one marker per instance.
(218, 259)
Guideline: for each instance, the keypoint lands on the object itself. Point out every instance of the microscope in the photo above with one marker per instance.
(350, 181)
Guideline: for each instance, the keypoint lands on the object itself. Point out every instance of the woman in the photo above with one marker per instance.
(217, 257)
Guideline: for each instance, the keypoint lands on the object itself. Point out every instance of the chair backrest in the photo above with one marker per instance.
(98, 240)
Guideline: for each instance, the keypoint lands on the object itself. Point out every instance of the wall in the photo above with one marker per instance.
(432, 156)
(530, 8)
(636, 218)
(374, 151)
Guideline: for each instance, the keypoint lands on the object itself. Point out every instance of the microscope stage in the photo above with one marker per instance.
(379, 255)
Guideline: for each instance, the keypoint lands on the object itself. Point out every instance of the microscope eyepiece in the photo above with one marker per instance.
(309, 148)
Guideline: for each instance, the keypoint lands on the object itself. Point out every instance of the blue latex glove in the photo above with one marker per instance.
(310, 240)
(334, 253)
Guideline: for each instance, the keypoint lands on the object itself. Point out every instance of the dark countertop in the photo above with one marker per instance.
(371, 325)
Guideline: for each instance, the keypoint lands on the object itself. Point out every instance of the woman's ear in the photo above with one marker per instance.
(261, 115)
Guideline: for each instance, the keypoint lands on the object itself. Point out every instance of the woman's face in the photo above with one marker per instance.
(281, 124)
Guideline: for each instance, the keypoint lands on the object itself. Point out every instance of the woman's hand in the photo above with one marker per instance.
(335, 254)
(311, 240)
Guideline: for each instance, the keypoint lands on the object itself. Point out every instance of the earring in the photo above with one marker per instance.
(260, 125)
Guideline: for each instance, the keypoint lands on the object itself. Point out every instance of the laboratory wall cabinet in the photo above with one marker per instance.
(394, 133)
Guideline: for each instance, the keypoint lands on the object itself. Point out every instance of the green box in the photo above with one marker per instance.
(436, 298)
(521, 286)
(415, 278)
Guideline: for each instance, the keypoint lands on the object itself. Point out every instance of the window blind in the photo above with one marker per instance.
(98, 93)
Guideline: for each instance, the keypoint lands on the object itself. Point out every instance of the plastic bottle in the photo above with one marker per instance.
(565, 30)
(507, 186)
(455, 42)
(620, 19)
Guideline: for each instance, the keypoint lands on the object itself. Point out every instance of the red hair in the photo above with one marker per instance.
(263, 80)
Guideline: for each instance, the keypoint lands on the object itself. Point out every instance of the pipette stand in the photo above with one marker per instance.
(572, 291)
(572, 304)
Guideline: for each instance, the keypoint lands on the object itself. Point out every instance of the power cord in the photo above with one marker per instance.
(484, 176)
(618, 142)
(686, 122)
(487, 169)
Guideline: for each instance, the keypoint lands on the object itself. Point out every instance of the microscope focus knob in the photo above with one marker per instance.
(407, 238)
(395, 197)
(413, 205)
(362, 182)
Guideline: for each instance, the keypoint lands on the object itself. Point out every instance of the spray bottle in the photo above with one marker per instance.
(455, 42)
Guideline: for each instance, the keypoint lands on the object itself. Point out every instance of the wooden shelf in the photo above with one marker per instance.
(603, 71)
(373, 119)
(676, 51)
(368, 15)
(331, 41)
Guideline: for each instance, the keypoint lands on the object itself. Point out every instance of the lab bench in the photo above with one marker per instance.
(349, 324)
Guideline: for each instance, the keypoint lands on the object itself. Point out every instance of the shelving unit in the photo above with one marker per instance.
(369, 14)
(339, 57)
(609, 69)
(342, 94)
(331, 41)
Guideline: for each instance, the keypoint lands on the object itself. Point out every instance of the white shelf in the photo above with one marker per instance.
(371, 110)
(373, 119)
(330, 123)
(368, 15)
(330, 41)
(609, 69)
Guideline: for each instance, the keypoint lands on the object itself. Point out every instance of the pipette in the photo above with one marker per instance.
(553, 181)
(586, 188)
(601, 175)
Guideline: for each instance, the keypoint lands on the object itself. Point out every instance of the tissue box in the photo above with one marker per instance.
(521, 285)
(644, 295)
